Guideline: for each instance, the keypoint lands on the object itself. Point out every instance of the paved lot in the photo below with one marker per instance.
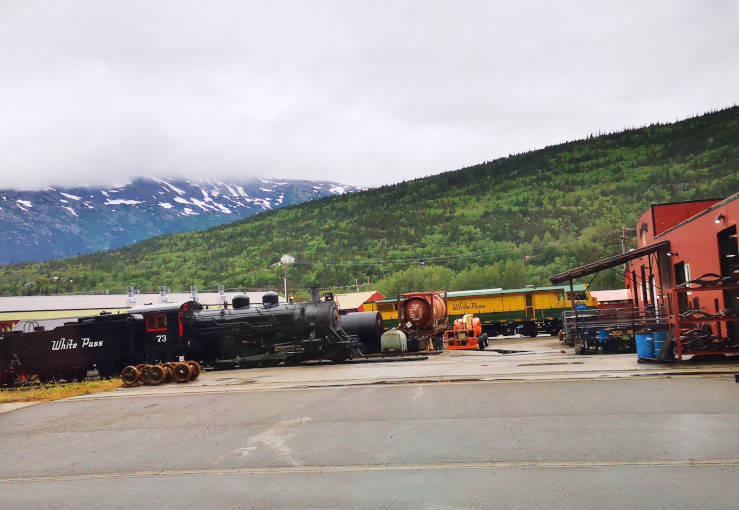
(519, 359)
(622, 443)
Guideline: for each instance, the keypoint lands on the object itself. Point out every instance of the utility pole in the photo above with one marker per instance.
(624, 238)
(623, 242)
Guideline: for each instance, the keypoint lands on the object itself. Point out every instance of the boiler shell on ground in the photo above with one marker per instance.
(368, 326)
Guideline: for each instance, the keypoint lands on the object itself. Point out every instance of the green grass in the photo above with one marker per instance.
(41, 393)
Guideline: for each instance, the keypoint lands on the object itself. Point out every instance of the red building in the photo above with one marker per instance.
(702, 238)
(677, 244)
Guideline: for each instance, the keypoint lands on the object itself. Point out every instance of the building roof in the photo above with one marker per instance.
(494, 292)
(111, 301)
(708, 210)
(606, 263)
(479, 292)
(354, 300)
(611, 295)
(158, 307)
(485, 292)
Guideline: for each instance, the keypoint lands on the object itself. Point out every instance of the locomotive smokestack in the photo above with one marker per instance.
(315, 294)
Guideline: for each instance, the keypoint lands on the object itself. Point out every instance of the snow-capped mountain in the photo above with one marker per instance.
(61, 222)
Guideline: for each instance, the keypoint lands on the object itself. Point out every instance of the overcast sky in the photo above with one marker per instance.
(366, 93)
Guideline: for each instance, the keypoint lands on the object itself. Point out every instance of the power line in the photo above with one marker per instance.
(416, 259)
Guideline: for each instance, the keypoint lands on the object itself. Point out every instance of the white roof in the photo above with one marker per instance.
(353, 300)
(111, 301)
(611, 295)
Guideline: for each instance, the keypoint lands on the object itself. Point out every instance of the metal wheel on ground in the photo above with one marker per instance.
(155, 375)
(130, 375)
(482, 341)
(194, 369)
(182, 372)
(168, 372)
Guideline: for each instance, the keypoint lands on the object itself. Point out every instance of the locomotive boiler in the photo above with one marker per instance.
(291, 332)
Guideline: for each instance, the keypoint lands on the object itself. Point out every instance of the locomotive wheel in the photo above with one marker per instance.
(155, 375)
(195, 369)
(46, 376)
(182, 372)
(79, 375)
(292, 361)
(529, 329)
(130, 375)
(339, 355)
(108, 370)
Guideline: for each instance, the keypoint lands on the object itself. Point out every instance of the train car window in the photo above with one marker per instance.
(156, 322)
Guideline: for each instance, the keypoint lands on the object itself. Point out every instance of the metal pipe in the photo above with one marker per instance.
(574, 307)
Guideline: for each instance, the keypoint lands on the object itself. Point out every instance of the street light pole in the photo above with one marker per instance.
(284, 268)
(285, 261)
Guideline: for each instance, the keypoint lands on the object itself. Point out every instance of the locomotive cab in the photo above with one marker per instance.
(163, 329)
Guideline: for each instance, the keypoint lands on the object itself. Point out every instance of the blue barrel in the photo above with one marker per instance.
(659, 339)
(644, 345)
(603, 335)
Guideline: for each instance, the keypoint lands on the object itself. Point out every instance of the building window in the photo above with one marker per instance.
(687, 277)
(682, 297)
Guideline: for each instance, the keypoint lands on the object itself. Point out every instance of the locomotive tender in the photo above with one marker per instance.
(223, 338)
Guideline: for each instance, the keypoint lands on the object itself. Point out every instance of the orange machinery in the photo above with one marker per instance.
(466, 334)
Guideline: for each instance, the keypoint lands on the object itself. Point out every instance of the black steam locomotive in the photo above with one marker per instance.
(238, 336)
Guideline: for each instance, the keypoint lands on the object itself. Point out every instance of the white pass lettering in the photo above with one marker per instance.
(66, 344)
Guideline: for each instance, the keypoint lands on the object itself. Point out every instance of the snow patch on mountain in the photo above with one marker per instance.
(118, 201)
(22, 204)
(70, 210)
(169, 185)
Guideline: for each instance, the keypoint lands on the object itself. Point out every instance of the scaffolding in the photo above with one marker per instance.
(581, 328)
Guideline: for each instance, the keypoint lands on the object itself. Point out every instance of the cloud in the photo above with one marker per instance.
(362, 93)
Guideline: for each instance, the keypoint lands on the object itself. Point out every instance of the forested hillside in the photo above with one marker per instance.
(504, 223)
